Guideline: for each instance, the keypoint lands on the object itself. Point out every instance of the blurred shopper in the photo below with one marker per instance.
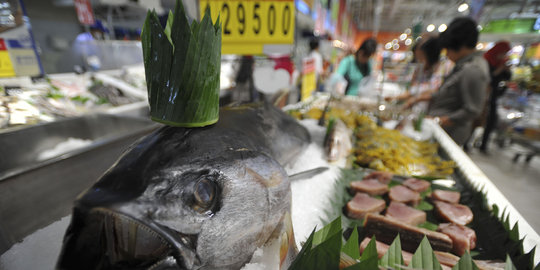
(316, 55)
(428, 80)
(355, 67)
(499, 72)
(459, 100)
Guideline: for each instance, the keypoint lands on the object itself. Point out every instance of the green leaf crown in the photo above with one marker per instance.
(182, 64)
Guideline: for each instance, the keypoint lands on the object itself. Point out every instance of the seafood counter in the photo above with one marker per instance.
(25, 101)
(436, 165)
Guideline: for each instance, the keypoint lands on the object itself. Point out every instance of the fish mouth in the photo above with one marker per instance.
(126, 242)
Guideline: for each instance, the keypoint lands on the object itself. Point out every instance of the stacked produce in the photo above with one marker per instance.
(389, 150)
(380, 148)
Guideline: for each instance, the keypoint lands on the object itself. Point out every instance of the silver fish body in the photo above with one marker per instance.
(338, 141)
(203, 198)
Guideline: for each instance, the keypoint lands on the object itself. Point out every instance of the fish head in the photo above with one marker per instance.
(172, 202)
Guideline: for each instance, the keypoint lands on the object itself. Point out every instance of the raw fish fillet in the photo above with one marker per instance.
(362, 204)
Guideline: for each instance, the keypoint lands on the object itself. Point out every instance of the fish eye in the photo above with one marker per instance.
(204, 194)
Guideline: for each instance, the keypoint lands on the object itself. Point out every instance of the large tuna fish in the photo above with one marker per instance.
(202, 198)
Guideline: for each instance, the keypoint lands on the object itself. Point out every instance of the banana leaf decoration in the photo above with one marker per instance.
(182, 64)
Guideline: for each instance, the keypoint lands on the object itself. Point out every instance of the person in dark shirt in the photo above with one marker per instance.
(499, 72)
(461, 96)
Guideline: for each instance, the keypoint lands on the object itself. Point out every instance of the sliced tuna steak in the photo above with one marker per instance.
(362, 204)
(386, 229)
(455, 213)
(404, 195)
(405, 213)
(446, 195)
(417, 185)
(370, 186)
(383, 177)
(463, 238)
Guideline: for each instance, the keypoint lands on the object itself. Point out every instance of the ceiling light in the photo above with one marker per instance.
(407, 31)
(388, 46)
(408, 41)
(463, 7)
(442, 27)
(395, 47)
(402, 36)
(394, 41)
(430, 28)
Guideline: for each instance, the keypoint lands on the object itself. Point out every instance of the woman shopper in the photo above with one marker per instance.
(355, 67)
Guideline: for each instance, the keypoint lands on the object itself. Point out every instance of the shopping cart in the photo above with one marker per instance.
(519, 125)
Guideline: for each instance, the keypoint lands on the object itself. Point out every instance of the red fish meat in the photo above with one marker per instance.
(362, 204)
(370, 186)
(455, 213)
(405, 213)
(463, 238)
(417, 185)
(404, 195)
(446, 195)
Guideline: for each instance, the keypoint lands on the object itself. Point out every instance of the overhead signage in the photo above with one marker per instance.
(248, 25)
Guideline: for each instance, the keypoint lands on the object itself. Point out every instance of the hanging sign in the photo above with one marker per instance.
(309, 80)
(247, 25)
(6, 67)
(84, 12)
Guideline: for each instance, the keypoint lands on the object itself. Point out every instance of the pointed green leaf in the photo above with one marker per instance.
(424, 206)
(509, 265)
(495, 210)
(424, 258)
(393, 257)
(326, 254)
(302, 256)
(507, 222)
(327, 231)
(351, 247)
(370, 251)
(465, 263)
(168, 27)
(323, 256)
(514, 233)
(369, 264)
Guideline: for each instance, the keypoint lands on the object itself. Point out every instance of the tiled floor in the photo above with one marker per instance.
(519, 182)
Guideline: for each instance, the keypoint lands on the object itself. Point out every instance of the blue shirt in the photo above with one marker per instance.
(348, 68)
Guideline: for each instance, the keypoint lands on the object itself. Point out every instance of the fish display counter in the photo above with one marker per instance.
(375, 149)
(312, 196)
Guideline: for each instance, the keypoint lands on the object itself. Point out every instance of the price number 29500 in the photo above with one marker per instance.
(254, 21)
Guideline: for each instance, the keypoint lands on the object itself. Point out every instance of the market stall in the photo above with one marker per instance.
(308, 212)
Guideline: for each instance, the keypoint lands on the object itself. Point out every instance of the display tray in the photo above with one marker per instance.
(36, 190)
(307, 211)
(466, 173)
(473, 176)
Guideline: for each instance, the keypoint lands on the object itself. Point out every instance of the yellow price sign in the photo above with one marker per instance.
(247, 23)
